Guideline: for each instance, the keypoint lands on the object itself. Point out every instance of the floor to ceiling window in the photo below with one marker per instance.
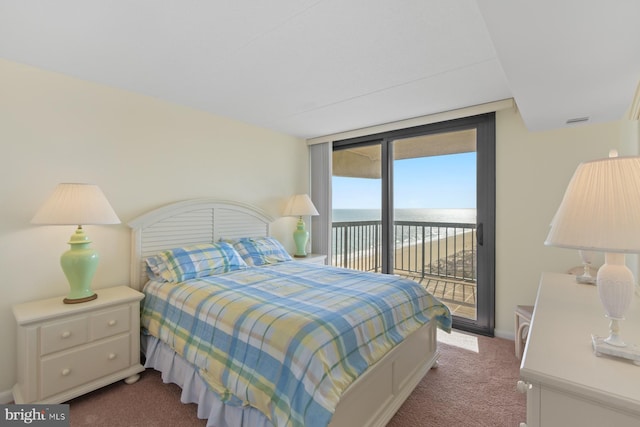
(420, 203)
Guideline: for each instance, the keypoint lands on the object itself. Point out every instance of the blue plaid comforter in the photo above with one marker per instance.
(287, 338)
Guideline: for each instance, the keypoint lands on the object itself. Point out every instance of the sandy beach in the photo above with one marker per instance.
(453, 256)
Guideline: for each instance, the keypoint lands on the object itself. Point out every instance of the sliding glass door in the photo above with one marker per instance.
(420, 203)
(434, 199)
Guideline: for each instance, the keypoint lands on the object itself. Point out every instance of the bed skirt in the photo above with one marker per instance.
(175, 369)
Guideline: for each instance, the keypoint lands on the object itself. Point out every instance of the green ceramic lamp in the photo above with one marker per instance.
(77, 204)
(300, 205)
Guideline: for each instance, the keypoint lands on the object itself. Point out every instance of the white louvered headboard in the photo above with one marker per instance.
(190, 222)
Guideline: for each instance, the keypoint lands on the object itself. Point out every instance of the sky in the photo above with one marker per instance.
(447, 181)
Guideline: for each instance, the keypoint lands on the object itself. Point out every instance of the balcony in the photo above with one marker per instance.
(440, 256)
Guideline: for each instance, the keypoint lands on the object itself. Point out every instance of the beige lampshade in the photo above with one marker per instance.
(76, 204)
(601, 208)
(300, 205)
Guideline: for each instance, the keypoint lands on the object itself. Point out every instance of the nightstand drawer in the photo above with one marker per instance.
(110, 322)
(64, 334)
(71, 369)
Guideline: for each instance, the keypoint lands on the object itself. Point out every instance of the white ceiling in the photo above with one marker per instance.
(316, 67)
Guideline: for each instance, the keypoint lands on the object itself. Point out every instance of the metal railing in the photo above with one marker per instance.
(421, 249)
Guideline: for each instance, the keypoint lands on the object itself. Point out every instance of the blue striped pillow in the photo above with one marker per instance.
(256, 251)
(190, 262)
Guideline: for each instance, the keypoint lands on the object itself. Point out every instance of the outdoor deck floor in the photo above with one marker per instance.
(458, 295)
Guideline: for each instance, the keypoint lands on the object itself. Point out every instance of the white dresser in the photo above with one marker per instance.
(66, 350)
(566, 384)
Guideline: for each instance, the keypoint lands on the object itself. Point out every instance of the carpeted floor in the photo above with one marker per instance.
(474, 385)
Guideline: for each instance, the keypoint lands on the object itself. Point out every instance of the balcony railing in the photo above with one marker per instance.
(421, 249)
(440, 256)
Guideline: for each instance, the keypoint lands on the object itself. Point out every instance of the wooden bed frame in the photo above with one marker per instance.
(372, 399)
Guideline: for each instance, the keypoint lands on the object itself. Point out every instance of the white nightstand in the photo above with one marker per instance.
(312, 258)
(66, 350)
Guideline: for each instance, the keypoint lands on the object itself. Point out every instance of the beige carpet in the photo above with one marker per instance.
(474, 385)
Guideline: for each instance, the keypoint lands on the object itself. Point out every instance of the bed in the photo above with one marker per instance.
(365, 389)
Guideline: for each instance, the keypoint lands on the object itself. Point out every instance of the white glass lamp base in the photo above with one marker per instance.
(586, 279)
(615, 289)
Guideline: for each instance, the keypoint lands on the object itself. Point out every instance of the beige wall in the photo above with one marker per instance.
(533, 170)
(143, 153)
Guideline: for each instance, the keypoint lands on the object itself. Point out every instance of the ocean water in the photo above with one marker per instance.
(466, 216)
(365, 242)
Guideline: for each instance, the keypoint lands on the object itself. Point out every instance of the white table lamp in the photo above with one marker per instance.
(600, 212)
(300, 205)
(77, 204)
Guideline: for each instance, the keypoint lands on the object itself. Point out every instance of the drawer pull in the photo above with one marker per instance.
(65, 334)
(112, 322)
(112, 356)
(523, 387)
(65, 372)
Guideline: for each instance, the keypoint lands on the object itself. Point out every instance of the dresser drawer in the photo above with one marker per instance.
(110, 322)
(71, 369)
(64, 334)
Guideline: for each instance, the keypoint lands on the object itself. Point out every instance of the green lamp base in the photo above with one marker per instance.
(301, 237)
(79, 264)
